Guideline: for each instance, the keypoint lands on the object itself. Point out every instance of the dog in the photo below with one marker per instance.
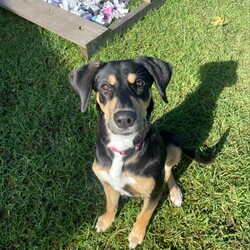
(132, 157)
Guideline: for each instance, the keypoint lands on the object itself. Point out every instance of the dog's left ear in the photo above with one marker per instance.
(161, 72)
(82, 81)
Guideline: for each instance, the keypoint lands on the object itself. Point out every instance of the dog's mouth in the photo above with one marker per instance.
(127, 131)
(124, 132)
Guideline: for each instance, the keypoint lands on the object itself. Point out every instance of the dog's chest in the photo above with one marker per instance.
(115, 177)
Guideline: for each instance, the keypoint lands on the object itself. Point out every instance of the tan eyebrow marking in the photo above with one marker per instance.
(131, 78)
(111, 79)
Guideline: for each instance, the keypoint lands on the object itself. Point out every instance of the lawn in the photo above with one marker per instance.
(49, 197)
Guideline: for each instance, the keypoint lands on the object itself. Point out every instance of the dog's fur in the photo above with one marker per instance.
(132, 157)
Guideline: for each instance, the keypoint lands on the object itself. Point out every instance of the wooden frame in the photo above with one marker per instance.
(88, 35)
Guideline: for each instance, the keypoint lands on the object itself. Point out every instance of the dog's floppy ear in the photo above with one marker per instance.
(161, 72)
(82, 81)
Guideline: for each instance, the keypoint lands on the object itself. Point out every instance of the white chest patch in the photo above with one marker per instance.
(115, 177)
(121, 142)
(117, 184)
(116, 167)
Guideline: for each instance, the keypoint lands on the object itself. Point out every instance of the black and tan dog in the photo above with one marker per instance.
(132, 157)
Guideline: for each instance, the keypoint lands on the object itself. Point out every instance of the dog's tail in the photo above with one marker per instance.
(201, 159)
(171, 139)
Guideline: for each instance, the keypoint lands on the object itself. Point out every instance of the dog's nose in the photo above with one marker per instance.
(124, 119)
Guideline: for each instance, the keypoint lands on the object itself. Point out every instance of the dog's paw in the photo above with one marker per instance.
(104, 222)
(135, 238)
(176, 196)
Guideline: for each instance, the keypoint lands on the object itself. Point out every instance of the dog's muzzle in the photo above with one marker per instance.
(124, 119)
(125, 122)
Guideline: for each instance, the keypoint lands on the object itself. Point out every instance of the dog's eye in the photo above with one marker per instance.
(105, 87)
(139, 83)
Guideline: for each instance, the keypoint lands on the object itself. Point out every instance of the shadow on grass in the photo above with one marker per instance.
(46, 189)
(193, 119)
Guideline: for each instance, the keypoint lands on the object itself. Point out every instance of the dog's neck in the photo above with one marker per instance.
(120, 146)
(125, 145)
(121, 143)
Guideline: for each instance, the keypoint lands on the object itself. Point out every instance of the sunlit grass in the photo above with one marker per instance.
(50, 199)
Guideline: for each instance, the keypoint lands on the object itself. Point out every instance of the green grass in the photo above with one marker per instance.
(49, 197)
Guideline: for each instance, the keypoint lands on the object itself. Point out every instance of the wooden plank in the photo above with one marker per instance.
(56, 20)
(90, 36)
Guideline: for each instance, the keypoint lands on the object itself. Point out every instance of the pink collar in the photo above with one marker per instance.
(125, 152)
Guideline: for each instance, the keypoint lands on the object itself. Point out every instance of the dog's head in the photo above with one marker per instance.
(123, 90)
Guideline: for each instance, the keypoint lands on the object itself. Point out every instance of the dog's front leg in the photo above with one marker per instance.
(112, 199)
(173, 158)
(138, 232)
(174, 190)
